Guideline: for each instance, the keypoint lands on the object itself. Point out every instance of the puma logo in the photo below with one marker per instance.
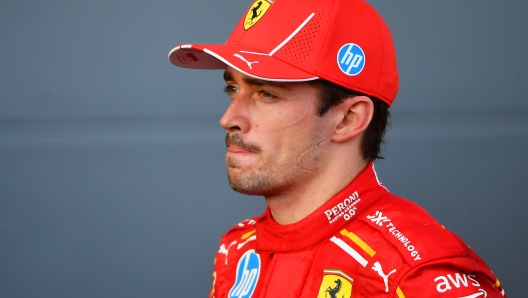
(224, 250)
(377, 268)
(244, 59)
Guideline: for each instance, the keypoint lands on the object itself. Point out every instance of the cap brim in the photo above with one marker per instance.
(249, 61)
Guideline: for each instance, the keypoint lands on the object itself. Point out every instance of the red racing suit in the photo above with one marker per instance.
(363, 242)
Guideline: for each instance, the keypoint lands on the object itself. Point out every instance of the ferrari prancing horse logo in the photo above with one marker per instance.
(255, 13)
(335, 284)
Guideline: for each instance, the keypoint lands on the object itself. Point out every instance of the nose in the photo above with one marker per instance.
(235, 118)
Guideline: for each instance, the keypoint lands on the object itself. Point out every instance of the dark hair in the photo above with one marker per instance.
(330, 95)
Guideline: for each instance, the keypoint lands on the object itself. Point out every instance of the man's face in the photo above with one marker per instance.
(275, 139)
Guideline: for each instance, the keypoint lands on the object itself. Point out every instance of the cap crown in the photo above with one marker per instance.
(342, 41)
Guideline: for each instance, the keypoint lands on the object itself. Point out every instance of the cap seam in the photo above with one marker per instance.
(251, 46)
(229, 63)
(383, 37)
(325, 42)
(277, 57)
(307, 71)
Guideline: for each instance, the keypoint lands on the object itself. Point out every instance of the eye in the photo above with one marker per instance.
(230, 89)
(267, 94)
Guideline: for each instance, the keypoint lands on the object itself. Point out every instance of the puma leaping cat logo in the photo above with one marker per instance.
(225, 250)
(244, 59)
(377, 268)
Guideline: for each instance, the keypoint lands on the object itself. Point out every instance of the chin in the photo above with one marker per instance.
(254, 185)
(249, 184)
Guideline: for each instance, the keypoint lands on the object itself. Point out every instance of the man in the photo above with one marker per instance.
(310, 84)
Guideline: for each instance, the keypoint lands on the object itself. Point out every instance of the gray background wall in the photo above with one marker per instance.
(112, 181)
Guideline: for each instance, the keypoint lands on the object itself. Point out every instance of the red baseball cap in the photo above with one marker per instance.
(345, 42)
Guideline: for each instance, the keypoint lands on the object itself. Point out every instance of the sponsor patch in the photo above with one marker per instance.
(381, 220)
(377, 267)
(246, 222)
(248, 271)
(255, 13)
(249, 236)
(449, 281)
(345, 209)
(249, 63)
(351, 59)
(335, 284)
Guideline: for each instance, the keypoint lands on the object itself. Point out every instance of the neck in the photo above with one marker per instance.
(300, 200)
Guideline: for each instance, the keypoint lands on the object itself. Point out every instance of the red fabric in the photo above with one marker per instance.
(363, 242)
(301, 40)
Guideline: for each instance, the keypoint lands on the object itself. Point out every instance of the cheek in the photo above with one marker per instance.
(285, 117)
(296, 138)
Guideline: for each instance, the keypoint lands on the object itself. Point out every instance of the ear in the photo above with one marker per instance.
(355, 114)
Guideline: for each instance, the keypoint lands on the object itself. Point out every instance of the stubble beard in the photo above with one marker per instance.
(270, 178)
(256, 182)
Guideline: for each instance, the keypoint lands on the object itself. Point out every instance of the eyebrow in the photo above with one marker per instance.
(228, 76)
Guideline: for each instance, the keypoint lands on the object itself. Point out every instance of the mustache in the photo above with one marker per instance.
(237, 140)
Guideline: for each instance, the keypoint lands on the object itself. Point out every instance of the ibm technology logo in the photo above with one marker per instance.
(248, 271)
(351, 59)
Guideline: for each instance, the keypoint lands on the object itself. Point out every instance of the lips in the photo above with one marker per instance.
(235, 149)
(236, 144)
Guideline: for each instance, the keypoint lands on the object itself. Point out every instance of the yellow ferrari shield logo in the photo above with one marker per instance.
(255, 13)
(335, 284)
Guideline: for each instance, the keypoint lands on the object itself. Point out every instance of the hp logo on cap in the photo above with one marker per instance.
(351, 59)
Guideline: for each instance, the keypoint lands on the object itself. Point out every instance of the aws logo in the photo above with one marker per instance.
(248, 271)
(255, 13)
(335, 284)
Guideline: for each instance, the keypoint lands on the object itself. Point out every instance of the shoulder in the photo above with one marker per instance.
(399, 248)
(424, 255)
(415, 234)
(241, 235)
(242, 228)
(238, 240)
